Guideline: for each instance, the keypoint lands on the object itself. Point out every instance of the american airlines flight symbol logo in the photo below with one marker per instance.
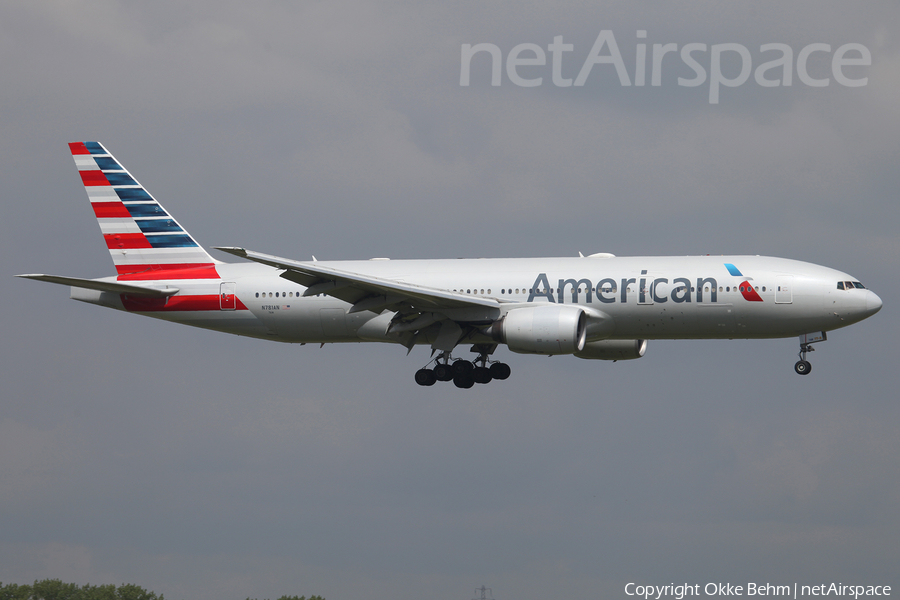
(747, 291)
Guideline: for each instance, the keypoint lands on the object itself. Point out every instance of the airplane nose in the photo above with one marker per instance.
(873, 302)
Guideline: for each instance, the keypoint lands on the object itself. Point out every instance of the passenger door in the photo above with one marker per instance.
(226, 295)
(784, 285)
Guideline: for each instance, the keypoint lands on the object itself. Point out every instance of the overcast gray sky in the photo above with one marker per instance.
(204, 466)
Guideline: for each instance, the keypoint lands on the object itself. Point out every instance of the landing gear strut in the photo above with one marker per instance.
(463, 373)
(803, 366)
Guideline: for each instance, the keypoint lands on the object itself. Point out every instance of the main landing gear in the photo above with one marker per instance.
(803, 366)
(463, 373)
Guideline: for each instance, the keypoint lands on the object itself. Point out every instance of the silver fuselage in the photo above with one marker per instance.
(644, 297)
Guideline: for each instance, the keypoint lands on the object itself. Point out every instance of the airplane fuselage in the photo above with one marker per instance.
(646, 297)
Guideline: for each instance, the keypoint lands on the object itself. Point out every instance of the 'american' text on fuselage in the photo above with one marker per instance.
(608, 289)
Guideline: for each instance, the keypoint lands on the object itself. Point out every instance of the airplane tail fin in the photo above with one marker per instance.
(144, 240)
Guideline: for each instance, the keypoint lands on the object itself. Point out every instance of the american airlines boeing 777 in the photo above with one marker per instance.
(594, 307)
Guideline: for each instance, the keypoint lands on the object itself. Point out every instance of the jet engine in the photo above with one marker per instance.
(542, 330)
(613, 350)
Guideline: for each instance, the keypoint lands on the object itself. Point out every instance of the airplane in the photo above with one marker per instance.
(600, 306)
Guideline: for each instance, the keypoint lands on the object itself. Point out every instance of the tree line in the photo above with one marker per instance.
(55, 589)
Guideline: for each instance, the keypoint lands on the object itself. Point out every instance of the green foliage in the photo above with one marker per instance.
(14, 591)
(54, 589)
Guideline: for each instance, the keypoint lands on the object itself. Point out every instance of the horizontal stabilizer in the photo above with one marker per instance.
(104, 286)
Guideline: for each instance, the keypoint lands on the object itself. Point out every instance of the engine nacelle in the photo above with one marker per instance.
(613, 350)
(542, 330)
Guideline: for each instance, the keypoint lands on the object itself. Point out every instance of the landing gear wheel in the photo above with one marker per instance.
(802, 367)
(500, 371)
(463, 380)
(482, 375)
(461, 367)
(443, 372)
(425, 377)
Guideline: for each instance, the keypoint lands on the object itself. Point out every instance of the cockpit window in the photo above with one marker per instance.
(840, 285)
(858, 285)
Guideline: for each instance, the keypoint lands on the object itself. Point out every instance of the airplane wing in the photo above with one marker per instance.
(365, 292)
(104, 286)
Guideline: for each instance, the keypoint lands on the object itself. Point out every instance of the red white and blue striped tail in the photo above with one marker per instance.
(145, 241)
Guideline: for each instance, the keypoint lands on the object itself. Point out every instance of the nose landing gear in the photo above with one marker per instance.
(803, 366)
(463, 373)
